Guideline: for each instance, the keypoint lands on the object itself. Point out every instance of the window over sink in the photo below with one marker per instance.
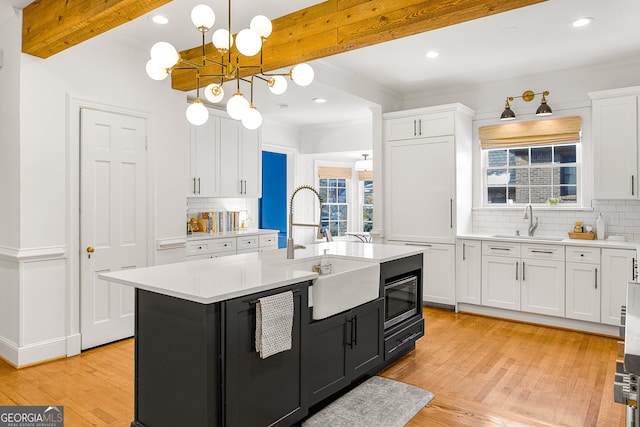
(534, 163)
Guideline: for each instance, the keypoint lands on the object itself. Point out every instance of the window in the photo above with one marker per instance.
(367, 204)
(335, 210)
(534, 174)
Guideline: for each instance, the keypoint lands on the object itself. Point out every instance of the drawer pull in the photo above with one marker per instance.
(404, 341)
(596, 277)
(499, 249)
(542, 252)
(423, 245)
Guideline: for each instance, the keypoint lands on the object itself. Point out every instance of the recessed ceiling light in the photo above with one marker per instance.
(160, 19)
(319, 100)
(431, 54)
(582, 22)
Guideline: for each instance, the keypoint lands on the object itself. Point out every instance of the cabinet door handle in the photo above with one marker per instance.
(198, 185)
(420, 127)
(349, 340)
(633, 185)
(194, 185)
(354, 330)
(596, 278)
(523, 279)
(451, 213)
(415, 132)
(633, 269)
(464, 252)
(517, 268)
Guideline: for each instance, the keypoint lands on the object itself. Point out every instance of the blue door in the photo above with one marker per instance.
(272, 206)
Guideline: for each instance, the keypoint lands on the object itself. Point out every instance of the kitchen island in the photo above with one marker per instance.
(196, 362)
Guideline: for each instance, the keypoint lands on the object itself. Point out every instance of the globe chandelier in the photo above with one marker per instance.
(165, 58)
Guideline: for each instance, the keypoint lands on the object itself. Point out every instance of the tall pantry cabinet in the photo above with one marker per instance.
(428, 188)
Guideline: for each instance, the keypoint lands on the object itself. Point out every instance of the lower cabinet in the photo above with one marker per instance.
(344, 347)
(618, 268)
(469, 271)
(524, 277)
(583, 283)
(273, 387)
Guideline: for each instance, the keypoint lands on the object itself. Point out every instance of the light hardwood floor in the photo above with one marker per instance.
(483, 372)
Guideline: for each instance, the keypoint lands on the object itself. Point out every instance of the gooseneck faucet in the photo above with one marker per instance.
(528, 214)
(290, 245)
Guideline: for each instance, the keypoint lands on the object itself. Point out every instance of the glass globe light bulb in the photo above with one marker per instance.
(203, 17)
(197, 113)
(237, 106)
(164, 54)
(277, 85)
(261, 25)
(156, 71)
(221, 40)
(302, 74)
(248, 42)
(214, 93)
(252, 119)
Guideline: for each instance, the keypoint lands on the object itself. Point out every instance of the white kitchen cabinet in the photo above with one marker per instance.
(526, 277)
(615, 124)
(428, 176)
(618, 268)
(439, 274)
(501, 275)
(469, 271)
(583, 283)
(240, 169)
(542, 286)
(419, 126)
(210, 248)
(204, 156)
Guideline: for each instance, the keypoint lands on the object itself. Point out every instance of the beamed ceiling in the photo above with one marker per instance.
(321, 30)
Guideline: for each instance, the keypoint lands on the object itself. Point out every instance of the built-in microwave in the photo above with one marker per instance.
(400, 300)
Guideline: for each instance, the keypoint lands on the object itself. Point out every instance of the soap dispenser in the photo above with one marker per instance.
(600, 227)
(325, 263)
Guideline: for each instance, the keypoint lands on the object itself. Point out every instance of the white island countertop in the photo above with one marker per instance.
(220, 279)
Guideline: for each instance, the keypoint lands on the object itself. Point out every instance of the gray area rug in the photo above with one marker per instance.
(377, 402)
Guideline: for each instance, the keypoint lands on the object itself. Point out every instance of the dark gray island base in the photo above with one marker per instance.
(196, 364)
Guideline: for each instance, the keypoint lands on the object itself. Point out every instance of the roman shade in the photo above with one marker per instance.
(539, 132)
(365, 175)
(334, 172)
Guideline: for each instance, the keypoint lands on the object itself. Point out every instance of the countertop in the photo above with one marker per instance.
(612, 244)
(219, 279)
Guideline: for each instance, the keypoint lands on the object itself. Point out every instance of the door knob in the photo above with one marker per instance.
(89, 251)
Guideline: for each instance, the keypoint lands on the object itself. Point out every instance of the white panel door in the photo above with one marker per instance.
(583, 292)
(469, 271)
(501, 282)
(618, 269)
(112, 220)
(230, 182)
(542, 287)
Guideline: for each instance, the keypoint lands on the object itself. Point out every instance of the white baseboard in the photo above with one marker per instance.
(31, 354)
(9, 351)
(74, 343)
(559, 322)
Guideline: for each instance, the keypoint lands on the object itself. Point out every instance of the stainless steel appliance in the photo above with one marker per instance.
(400, 300)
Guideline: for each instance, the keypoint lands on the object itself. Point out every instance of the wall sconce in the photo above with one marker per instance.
(527, 96)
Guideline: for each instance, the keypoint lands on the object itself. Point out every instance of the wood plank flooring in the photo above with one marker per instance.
(483, 372)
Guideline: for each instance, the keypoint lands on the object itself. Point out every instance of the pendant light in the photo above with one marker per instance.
(364, 165)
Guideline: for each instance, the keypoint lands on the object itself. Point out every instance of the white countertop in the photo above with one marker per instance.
(612, 244)
(219, 279)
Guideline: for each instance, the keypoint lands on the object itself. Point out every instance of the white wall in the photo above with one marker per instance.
(10, 44)
(338, 137)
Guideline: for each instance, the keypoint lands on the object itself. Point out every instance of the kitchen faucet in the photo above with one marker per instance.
(528, 214)
(290, 245)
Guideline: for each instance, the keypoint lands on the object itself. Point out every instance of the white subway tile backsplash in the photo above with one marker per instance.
(621, 217)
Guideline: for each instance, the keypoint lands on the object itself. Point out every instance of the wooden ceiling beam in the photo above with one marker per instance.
(51, 26)
(337, 26)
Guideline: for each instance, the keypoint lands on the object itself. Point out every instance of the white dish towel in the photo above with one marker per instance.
(274, 321)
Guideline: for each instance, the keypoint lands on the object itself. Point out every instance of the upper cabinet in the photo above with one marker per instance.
(419, 126)
(225, 160)
(428, 174)
(204, 155)
(616, 119)
(241, 167)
